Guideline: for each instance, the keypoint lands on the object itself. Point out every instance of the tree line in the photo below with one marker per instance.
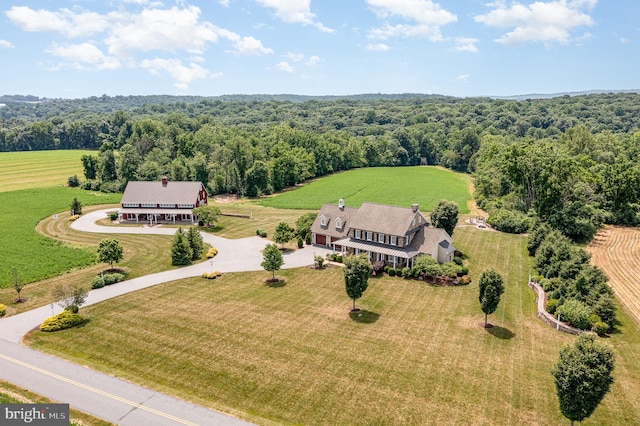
(569, 161)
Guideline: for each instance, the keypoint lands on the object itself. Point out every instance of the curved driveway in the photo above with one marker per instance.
(103, 395)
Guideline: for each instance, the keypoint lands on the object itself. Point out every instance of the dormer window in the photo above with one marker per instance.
(394, 240)
(338, 223)
(381, 238)
(358, 234)
(369, 236)
(323, 221)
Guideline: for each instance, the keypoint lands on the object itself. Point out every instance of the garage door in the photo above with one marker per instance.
(321, 239)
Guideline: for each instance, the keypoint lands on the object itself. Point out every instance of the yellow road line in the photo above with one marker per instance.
(98, 391)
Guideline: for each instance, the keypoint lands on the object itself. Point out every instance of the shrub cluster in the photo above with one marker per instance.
(510, 221)
(106, 279)
(578, 288)
(113, 216)
(318, 261)
(464, 280)
(211, 275)
(73, 181)
(3, 310)
(333, 257)
(74, 217)
(261, 233)
(65, 319)
(212, 252)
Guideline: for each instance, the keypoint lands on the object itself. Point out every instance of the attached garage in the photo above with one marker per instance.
(321, 239)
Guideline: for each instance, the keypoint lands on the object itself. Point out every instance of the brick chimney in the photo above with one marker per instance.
(414, 207)
(164, 181)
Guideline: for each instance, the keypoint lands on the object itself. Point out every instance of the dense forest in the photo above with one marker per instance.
(569, 161)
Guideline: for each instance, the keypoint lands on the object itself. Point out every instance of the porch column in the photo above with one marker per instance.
(136, 217)
(394, 262)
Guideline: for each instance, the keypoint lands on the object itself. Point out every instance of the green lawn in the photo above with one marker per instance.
(39, 169)
(399, 186)
(293, 354)
(36, 257)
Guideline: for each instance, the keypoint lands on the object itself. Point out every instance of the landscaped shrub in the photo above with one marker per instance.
(113, 216)
(464, 280)
(261, 233)
(593, 318)
(3, 310)
(392, 272)
(406, 273)
(600, 328)
(378, 267)
(307, 239)
(551, 306)
(65, 319)
(463, 270)
(576, 313)
(509, 221)
(74, 217)
(318, 261)
(211, 275)
(212, 252)
(73, 181)
(112, 278)
(98, 282)
(339, 258)
(457, 260)
(300, 242)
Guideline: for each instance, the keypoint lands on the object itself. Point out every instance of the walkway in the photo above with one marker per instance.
(105, 396)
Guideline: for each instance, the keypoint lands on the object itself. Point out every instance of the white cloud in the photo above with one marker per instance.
(463, 78)
(295, 11)
(83, 56)
(547, 22)
(4, 44)
(181, 74)
(285, 66)
(624, 40)
(246, 45)
(161, 29)
(65, 22)
(465, 44)
(300, 58)
(377, 47)
(224, 3)
(425, 17)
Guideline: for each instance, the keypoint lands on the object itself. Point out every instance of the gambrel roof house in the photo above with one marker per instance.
(396, 235)
(161, 201)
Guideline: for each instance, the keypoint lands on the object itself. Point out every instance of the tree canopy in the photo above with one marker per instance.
(110, 251)
(445, 216)
(583, 376)
(357, 270)
(272, 259)
(490, 289)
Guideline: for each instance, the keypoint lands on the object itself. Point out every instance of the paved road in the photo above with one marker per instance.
(105, 396)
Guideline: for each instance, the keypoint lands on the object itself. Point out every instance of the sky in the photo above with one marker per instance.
(82, 48)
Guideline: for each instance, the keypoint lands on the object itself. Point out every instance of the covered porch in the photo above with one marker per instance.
(155, 216)
(392, 256)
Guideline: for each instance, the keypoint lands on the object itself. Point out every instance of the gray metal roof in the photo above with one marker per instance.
(376, 248)
(154, 211)
(174, 192)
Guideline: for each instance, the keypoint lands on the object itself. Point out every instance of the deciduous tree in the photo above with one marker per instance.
(357, 271)
(445, 216)
(283, 234)
(272, 259)
(490, 290)
(70, 296)
(110, 251)
(583, 376)
(207, 214)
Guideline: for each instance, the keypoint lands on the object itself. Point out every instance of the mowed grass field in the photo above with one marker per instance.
(294, 355)
(399, 186)
(617, 251)
(39, 169)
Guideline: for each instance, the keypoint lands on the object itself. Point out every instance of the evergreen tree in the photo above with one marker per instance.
(76, 206)
(181, 253)
(195, 242)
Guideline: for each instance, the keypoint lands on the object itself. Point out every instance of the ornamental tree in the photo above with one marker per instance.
(272, 259)
(357, 271)
(207, 214)
(583, 376)
(109, 251)
(283, 234)
(445, 216)
(490, 290)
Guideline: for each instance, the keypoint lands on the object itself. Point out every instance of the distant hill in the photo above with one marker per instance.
(558, 95)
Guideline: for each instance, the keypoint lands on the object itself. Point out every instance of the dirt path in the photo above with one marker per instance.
(474, 210)
(617, 251)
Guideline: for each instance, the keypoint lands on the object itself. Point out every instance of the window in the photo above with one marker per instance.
(323, 221)
(185, 206)
(369, 236)
(358, 234)
(394, 240)
(338, 223)
(381, 238)
(167, 205)
(129, 205)
(149, 205)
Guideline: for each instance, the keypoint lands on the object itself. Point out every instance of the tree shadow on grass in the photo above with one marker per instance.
(364, 317)
(500, 332)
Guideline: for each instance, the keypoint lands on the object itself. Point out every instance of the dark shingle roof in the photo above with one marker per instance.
(141, 192)
(331, 212)
(384, 219)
